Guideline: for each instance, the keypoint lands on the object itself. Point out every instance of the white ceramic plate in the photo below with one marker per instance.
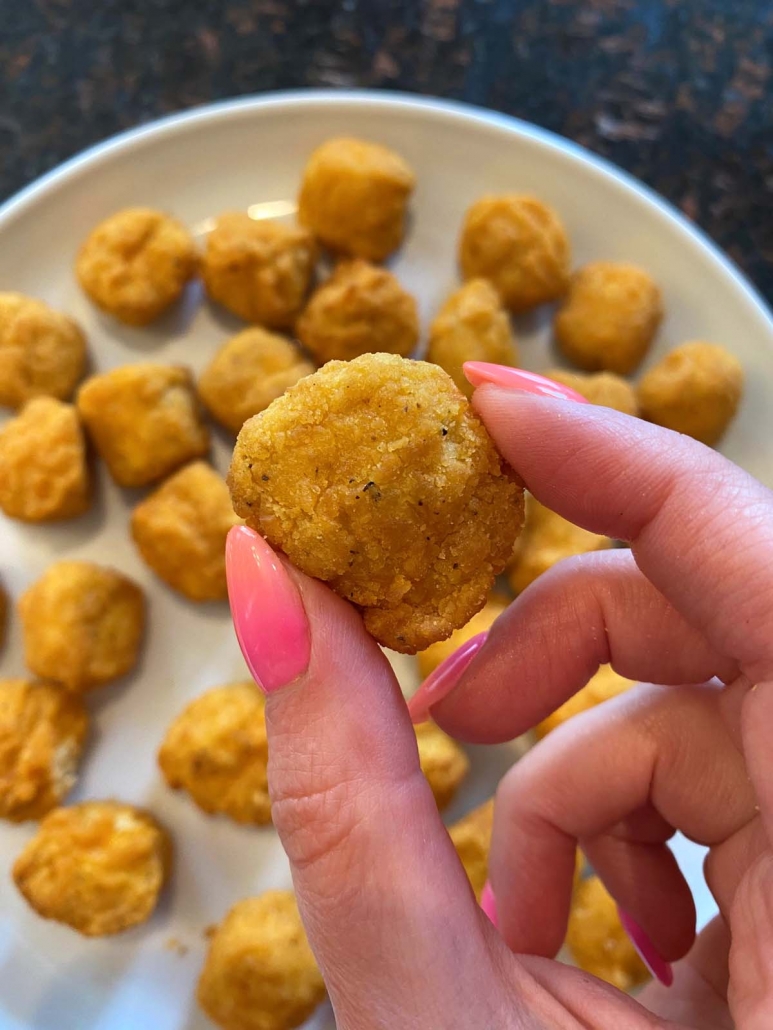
(235, 155)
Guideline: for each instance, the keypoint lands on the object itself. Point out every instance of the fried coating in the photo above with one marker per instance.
(43, 472)
(472, 325)
(471, 836)
(443, 762)
(597, 941)
(606, 683)
(696, 389)
(481, 622)
(136, 264)
(547, 538)
(604, 388)
(144, 420)
(98, 867)
(217, 751)
(361, 309)
(42, 733)
(376, 476)
(82, 624)
(354, 197)
(260, 270)
(249, 371)
(42, 352)
(609, 318)
(180, 531)
(260, 973)
(520, 245)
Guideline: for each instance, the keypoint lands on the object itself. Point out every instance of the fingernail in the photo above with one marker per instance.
(270, 622)
(479, 372)
(489, 903)
(646, 949)
(443, 679)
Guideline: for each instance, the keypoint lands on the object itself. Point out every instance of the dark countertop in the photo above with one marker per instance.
(679, 92)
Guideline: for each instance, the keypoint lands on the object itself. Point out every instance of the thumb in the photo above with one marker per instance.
(387, 907)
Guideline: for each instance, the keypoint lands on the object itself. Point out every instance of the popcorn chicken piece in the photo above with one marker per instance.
(605, 684)
(609, 318)
(604, 388)
(260, 973)
(443, 762)
(136, 264)
(471, 836)
(42, 352)
(354, 197)
(696, 389)
(43, 470)
(481, 622)
(82, 624)
(144, 420)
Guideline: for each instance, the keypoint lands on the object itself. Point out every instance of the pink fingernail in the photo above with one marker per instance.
(443, 679)
(646, 949)
(489, 903)
(270, 622)
(479, 372)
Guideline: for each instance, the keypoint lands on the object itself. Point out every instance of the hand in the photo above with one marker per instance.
(388, 910)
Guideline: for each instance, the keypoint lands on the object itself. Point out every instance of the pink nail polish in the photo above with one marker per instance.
(443, 679)
(646, 949)
(489, 903)
(270, 622)
(479, 372)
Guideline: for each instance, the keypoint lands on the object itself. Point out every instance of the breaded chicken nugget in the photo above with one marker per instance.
(605, 684)
(180, 531)
(98, 867)
(604, 388)
(144, 419)
(259, 269)
(359, 310)
(43, 470)
(520, 245)
(260, 973)
(82, 624)
(249, 371)
(216, 750)
(354, 197)
(42, 352)
(472, 325)
(609, 318)
(42, 732)
(481, 622)
(471, 836)
(136, 263)
(376, 476)
(443, 762)
(696, 389)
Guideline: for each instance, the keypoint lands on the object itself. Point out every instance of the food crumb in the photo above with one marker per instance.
(177, 946)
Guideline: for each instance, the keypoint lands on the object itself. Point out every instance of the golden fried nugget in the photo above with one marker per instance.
(604, 388)
(597, 941)
(520, 245)
(696, 389)
(481, 622)
(609, 318)
(42, 352)
(259, 269)
(547, 538)
(180, 531)
(472, 325)
(216, 750)
(376, 476)
(443, 762)
(82, 624)
(249, 371)
(98, 867)
(361, 309)
(42, 732)
(43, 470)
(471, 836)
(136, 263)
(144, 419)
(606, 683)
(354, 197)
(260, 973)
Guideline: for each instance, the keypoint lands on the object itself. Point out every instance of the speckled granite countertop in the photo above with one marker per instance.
(679, 92)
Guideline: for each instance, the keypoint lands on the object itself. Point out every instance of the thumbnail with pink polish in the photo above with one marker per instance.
(646, 949)
(489, 903)
(480, 372)
(442, 681)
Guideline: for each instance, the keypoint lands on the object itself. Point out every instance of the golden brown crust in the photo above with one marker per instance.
(481, 622)
(42, 352)
(604, 388)
(361, 309)
(354, 197)
(604, 685)
(376, 476)
(471, 836)
(136, 263)
(43, 470)
(443, 762)
(98, 867)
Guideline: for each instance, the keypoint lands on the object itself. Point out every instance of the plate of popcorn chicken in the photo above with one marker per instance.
(258, 313)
